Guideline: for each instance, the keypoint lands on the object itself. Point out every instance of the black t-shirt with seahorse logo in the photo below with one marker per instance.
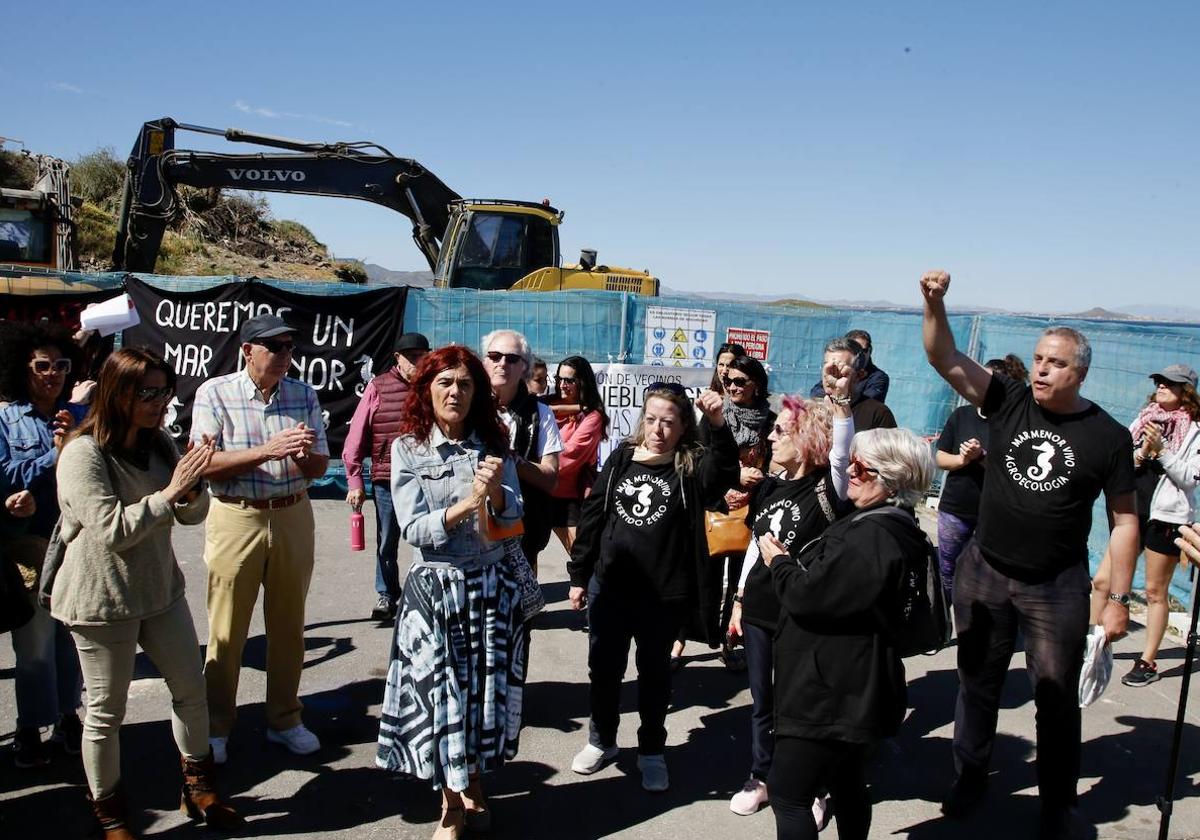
(1044, 473)
(648, 537)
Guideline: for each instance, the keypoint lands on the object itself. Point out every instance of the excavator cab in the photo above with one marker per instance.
(491, 244)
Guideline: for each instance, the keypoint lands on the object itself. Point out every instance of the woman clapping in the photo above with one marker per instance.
(122, 487)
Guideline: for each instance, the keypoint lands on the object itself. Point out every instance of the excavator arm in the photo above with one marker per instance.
(361, 170)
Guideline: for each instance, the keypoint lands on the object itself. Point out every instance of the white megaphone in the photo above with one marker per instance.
(110, 316)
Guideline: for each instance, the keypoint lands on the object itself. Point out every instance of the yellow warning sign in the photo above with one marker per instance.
(678, 353)
(679, 335)
(677, 363)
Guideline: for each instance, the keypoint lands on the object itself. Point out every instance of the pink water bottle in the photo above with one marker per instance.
(358, 532)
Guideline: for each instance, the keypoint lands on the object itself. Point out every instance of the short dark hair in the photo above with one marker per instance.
(753, 368)
(862, 337)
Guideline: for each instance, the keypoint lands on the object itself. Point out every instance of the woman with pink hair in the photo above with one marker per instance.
(811, 442)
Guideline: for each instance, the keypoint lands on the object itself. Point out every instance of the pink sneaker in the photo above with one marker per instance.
(750, 798)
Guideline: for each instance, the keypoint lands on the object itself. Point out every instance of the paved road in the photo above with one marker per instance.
(338, 793)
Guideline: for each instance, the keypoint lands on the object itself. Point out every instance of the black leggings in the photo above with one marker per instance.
(800, 769)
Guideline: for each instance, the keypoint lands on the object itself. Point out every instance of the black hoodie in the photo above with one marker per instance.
(837, 673)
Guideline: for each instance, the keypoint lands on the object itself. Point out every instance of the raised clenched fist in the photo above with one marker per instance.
(935, 284)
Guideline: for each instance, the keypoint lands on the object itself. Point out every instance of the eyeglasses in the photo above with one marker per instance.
(510, 358)
(674, 387)
(780, 431)
(567, 380)
(149, 395)
(276, 346)
(62, 366)
(857, 467)
(730, 382)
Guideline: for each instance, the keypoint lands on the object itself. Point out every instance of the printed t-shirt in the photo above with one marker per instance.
(1044, 472)
(796, 512)
(647, 536)
(960, 493)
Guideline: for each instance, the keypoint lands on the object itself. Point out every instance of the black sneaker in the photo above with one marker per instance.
(1142, 673)
(28, 749)
(965, 795)
(384, 609)
(68, 733)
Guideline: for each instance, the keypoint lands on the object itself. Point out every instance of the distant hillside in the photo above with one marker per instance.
(381, 276)
(211, 233)
(1102, 313)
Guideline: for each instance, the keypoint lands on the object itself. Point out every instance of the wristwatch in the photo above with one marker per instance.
(1123, 599)
(737, 599)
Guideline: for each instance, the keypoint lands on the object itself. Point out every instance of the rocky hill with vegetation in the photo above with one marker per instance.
(213, 232)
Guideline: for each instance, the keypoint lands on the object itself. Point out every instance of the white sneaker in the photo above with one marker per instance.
(590, 759)
(821, 812)
(298, 739)
(654, 773)
(220, 749)
(750, 798)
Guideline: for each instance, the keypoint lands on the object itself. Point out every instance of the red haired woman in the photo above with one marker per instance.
(452, 705)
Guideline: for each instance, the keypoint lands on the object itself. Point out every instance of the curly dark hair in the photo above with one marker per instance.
(589, 392)
(482, 417)
(17, 343)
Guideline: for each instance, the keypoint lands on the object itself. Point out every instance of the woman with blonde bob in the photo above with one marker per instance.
(811, 442)
(839, 679)
(122, 486)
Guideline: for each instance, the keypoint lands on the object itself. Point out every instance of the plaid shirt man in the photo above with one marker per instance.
(232, 411)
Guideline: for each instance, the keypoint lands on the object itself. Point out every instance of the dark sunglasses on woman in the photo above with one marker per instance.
(732, 382)
(567, 380)
(149, 395)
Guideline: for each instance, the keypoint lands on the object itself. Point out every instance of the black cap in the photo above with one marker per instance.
(264, 326)
(412, 341)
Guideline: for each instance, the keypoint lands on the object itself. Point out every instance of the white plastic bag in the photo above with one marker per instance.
(1097, 667)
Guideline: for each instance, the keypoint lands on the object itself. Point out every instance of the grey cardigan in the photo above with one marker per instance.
(119, 564)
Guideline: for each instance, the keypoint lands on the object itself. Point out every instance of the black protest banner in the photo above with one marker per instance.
(341, 340)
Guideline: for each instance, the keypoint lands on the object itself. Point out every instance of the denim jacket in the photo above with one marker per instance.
(28, 459)
(428, 478)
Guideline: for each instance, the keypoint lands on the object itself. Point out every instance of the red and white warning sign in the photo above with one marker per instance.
(756, 342)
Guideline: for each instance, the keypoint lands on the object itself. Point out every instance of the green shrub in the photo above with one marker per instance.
(17, 172)
(99, 177)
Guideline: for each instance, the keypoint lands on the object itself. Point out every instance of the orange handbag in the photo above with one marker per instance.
(494, 530)
(727, 533)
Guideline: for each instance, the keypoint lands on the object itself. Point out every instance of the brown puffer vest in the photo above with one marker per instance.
(385, 424)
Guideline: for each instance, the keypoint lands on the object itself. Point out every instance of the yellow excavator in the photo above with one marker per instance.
(488, 244)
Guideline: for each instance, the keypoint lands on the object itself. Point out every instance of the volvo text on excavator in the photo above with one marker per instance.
(487, 244)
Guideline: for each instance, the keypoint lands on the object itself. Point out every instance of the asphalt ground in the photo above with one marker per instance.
(339, 793)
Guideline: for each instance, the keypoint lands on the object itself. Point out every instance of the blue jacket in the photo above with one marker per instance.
(28, 459)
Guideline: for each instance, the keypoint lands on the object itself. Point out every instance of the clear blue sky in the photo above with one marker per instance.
(1048, 155)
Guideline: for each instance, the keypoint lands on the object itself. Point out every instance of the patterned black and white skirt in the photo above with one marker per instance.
(453, 699)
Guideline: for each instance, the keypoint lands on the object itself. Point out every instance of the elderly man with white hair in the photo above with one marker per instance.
(533, 433)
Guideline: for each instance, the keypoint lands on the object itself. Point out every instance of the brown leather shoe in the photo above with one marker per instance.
(110, 813)
(199, 798)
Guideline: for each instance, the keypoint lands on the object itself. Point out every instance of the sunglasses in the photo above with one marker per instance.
(276, 346)
(730, 382)
(674, 387)
(149, 395)
(62, 366)
(857, 467)
(509, 358)
(568, 380)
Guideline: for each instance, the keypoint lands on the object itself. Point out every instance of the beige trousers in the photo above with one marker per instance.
(106, 657)
(245, 550)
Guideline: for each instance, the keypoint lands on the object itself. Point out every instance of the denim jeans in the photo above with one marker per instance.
(760, 659)
(387, 530)
(990, 607)
(47, 678)
(952, 535)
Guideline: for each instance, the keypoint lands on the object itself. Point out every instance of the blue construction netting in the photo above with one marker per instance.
(606, 326)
